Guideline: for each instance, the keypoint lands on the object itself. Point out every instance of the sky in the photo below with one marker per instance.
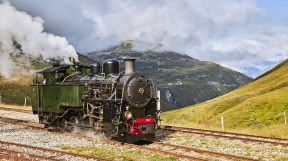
(249, 36)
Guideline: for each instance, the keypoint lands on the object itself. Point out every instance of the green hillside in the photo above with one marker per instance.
(257, 107)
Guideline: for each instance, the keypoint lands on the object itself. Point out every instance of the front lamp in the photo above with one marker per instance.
(128, 115)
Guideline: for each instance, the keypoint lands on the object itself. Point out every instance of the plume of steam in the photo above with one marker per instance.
(22, 37)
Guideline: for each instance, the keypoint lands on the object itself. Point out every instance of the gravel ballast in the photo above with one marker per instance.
(52, 140)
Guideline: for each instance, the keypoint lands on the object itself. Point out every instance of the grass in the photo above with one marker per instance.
(16, 106)
(117, 153)
(15, 90)
(255, 108)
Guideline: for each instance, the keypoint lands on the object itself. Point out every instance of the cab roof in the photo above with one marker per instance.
(52, 69)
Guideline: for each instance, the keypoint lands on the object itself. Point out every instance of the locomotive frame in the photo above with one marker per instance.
(119, 104)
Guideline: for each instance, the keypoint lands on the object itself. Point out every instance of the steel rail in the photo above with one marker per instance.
(169, 153)
(16, 110)
(15, 155)
(57, 152)
(211, 153)
(236, 136)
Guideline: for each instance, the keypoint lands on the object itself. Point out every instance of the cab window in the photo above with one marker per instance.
(40, 78)
(59, 77)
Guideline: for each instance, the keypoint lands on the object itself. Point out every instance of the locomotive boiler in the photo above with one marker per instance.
(119, 104)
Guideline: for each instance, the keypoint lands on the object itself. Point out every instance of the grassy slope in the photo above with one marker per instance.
(256, 107)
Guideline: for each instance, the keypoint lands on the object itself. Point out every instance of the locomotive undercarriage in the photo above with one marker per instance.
(89, 117)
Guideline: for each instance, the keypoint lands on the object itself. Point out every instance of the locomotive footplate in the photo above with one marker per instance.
(136, 138)
(78, 125)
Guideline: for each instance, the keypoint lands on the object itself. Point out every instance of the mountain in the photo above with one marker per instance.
(181, 79)
(256, 106)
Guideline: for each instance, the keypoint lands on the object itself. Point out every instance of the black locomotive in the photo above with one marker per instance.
(119, 104)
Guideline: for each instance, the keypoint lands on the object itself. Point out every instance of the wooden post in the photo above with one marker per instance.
(158, 100)
(222, 123)
(25, 102)
(285, 121)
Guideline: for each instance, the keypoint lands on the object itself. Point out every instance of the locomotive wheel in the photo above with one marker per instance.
(61, 125)
(98, 127)
(108, 136)
(73, 128)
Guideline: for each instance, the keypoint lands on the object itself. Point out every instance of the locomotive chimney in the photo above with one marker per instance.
(129, 65)
(76, 65)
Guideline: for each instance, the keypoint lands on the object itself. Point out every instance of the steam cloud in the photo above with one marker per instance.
(23, 37)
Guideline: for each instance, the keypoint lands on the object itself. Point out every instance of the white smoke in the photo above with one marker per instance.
(23, 36)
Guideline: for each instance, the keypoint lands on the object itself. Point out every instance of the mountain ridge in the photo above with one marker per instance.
(181, 79)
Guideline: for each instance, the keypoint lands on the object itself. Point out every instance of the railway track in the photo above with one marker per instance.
(244, 137)
(153, 147)
(177, 151)
(203, 153)
(229, 135)
(112, 142)
(154, 150)
(162, 148)
(15, 155)
(48, 154)
(16, 110)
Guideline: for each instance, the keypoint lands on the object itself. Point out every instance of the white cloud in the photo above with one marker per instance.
(235, 33)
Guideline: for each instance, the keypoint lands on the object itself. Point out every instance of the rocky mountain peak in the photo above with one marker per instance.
(181, 79)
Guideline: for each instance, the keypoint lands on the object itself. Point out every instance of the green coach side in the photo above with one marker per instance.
(50, 92)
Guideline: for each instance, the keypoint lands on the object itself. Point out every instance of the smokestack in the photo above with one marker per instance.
(129, 65)
(76, 65)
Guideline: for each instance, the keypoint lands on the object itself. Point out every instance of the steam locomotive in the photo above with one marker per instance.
(119, 104)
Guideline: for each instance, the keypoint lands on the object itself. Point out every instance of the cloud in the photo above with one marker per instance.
(238, 34)
(166, 21)
(22, 34)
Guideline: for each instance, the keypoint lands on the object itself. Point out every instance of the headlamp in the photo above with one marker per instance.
(128, 115)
